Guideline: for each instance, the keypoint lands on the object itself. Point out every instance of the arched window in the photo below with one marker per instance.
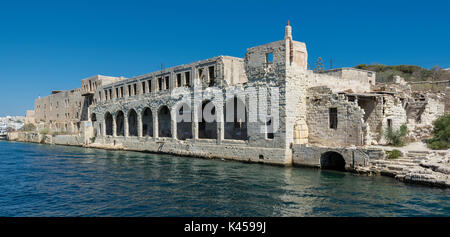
(207, 126)
(164, 122)
(120, 124)
(184, 122)
(132, 123)
(147, 122)
(109, 124)
(235, 115)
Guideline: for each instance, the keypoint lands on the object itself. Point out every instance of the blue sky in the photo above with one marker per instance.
(52, 45)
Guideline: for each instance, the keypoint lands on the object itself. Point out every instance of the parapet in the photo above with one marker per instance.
(352, 74)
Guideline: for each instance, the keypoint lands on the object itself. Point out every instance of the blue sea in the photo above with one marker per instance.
(60, 181)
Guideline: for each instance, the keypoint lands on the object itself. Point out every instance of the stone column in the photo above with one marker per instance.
(195, 118)
(114, 126)
(173, 123)
(155, 124)
(220, 124)
(104, 127)
(139, 123)
(125, 124)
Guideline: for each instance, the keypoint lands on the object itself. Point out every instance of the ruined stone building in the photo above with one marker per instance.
(266, 107)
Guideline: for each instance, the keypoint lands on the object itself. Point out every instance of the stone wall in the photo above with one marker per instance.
(350, 128)
(60, 112)
(312, 156)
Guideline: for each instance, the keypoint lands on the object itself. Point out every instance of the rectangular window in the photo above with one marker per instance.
(135, 89)
(117, 92)
(160, 84)
(187, 78)
(269, 57)
(167, 82)
(333, 118)
(212, 76)
(121, 91)
(178, 80)
(200, 74)
(129, 90)
(149, 85)
(269, 128)
(389, 123)
(110, 94)
(143, 87)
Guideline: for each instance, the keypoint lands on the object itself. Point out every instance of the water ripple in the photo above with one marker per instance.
(41, 180)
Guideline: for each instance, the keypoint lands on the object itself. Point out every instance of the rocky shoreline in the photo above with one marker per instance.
(430, 168)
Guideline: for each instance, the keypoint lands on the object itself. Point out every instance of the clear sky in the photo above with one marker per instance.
(52, 45)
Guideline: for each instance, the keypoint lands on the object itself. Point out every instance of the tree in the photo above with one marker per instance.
(29, 127)
(396, 137)
(318, 66)
(441, 133)
(436, 73)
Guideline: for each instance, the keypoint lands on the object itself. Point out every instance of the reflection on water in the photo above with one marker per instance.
(43, 180)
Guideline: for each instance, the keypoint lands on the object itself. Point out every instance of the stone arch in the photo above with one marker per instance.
(235, 115)
(164, 122)
(132, 123)
(184, 122)
(332, 160)
(147, 122)
(120, 122)
(207, 125)
(109, 124)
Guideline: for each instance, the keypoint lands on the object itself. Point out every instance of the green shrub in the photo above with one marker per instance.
(29, 127)
(61, 133)
(92, 139)
(441, 133)
(44, 131)
(397, 137)
(394, 154)
(385, 73)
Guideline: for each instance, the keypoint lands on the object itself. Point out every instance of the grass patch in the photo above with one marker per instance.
(394, 154)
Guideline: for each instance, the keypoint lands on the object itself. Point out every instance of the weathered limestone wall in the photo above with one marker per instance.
(394, 112)
(233, 70)
(433, 110)
(30, 117)
(60, 112)
(353, 74)
(206, 148)
(70, 140)
(337, 84)
(34, 137)
(350, 128)
(421, 115)
(310, 155)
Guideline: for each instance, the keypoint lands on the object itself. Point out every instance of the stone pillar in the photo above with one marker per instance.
(220, 124)
(125, 125)
(195, 118)
(173, 124)
(139, 123)
(103, 127)
(114, 126)
(155, 124)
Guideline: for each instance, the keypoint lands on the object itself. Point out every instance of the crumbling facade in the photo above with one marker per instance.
(266, 107)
